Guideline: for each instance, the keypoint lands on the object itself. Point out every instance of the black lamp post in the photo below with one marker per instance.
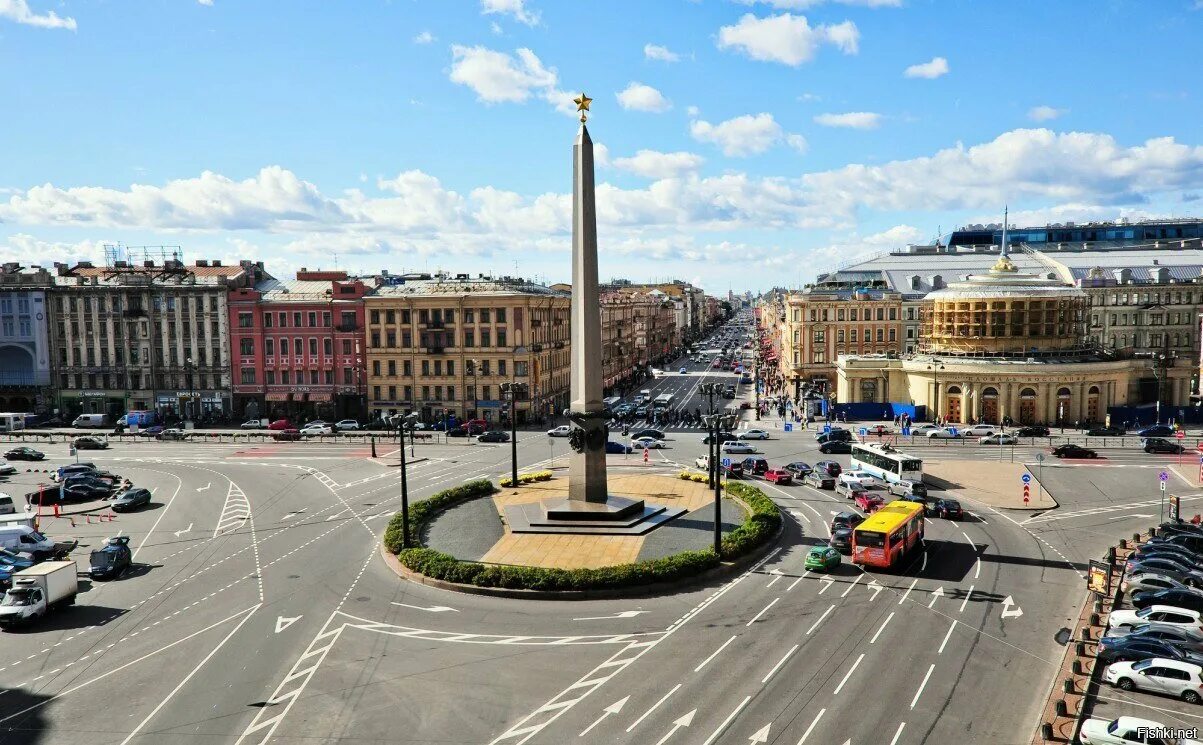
(718, 423)
(402, 424)
(935, 369)
(512, 392)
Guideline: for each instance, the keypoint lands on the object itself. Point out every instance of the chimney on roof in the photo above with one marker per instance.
(216, 262)
(84, 265)
(149, 263)
(202, 262)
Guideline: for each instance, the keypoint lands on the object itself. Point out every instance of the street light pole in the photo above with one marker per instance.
(401, 422)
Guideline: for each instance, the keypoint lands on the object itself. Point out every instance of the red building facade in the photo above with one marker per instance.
(297, 348)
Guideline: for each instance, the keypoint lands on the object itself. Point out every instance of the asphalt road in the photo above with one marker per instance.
(260, 610)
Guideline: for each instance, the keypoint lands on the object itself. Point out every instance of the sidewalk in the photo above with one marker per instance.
(989, 482)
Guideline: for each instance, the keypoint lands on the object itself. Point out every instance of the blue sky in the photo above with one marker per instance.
(742, 143)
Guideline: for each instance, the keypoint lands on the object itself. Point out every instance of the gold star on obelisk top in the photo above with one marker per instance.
(582, 105)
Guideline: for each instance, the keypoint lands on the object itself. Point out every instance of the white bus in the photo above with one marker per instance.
(12, 422)
(886, 463)
(663, 401)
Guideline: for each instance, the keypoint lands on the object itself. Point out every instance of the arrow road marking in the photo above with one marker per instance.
(620, 614)
(939, 593)
(876, 588)
(1007, 612)
(178, 533)
(827, 583)
(206, 486)
(678, 723)
(432, 609)
(283, 622)
(291, 515)
(613, 708)
(762, 735)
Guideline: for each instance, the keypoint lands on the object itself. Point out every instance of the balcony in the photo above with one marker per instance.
(348, 326)
(435, 350)
(134, 313)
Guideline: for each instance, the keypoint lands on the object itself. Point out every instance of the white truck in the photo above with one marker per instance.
(38, 589)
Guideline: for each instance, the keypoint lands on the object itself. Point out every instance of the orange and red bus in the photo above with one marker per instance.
(889, 535)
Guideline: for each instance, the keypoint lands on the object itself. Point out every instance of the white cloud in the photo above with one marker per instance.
(424, 38)
(656, 165)
(26, 249)
(804, 4)
(856, 247)
(850, 120)
(1044, 113)
(206, 2)
(499, 77)
(934, 69)
(515, 8)
(797, 142)
(639, 97)
(741, 136)
(20, 12)
(495, 27)
(657, 52)
(786, 38)
(809, 97)
(693, 111)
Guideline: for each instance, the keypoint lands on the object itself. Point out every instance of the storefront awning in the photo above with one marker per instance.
(319, 396)
(277, 396)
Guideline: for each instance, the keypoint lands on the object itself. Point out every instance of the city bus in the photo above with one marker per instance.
(889, 535)
(663, 401)
(886, 463)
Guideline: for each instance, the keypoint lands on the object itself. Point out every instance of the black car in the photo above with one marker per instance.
(1032, 430)
(798, 468)
(1158, 445)
(1171, 596)
(458, 432)
(1104, 432)
(1156, 430)
(1193, 543)
(819, 479)
(494, 436)
(1167, 635)
(1136, 648)
(111, 559)
(90, 443)
(835, 435)
(841, 540)
(86, 490)
(755, 466)
(949, 509)
(129, 499)
(830, 467)
(841, 446)
(722, 437)
(1069, 450)
(734, 471)
(847, 520)
(1171, 528)
(24, 453)
(1165, 550)
(655, 434)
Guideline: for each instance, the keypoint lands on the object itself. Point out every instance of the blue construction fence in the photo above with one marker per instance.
(1147, 414)
(887, 412)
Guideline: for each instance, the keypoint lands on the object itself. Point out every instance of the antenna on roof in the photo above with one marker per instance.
(1004, 233)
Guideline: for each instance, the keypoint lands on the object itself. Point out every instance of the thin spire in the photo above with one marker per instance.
(1004, 233)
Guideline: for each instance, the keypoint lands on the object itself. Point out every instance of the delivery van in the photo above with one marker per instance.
(91, 420)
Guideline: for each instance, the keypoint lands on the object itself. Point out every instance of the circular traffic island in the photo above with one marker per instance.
(460, 540)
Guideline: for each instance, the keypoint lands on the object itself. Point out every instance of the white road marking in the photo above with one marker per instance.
(761, 613)
(145, 538)
(781, 662)
(283, 622)
(827, 583)
(1128, 517)
(712, 655)
(946, 637)
(613, 708)
(775, 579)
(432, 608)
(814, 722)
(844, 594)
(662, 700)
(726, 722)
(902, 599)
(179, 533)
(1007, 612)
(966, 600)
(815, 625)
(761, 735)
(678, 723)
(876, 588)
(898, 733)
(848, 674)
(939, 593)
(620, 614)
(882, 627)
(795, 582)
(922, 685)
(977, 568)
(206, 486)
(968, 539)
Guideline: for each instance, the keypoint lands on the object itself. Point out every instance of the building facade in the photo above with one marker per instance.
(25, 382)
(299, 347)
(620, 358)
(444, 345)
(145, 336)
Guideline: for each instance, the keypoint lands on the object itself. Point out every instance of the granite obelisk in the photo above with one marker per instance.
(587, 462)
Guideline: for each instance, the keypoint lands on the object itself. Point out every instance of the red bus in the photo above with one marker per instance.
(889, 535)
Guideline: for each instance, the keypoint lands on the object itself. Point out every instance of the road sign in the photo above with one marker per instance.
(1039, 457)
(1180, 435)
(1026, 478)
(863, 431)
(1163, 476)
(826, 428)
(952, 431)
(789, 427)
(1174, 509)
(726, 462)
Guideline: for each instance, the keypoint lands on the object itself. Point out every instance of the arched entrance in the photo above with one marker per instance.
(1064, 405)
(1027, 406)
(952, 408)
(990, 405)
(1092, 404)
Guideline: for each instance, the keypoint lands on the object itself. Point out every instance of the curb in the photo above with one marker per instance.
(722, 571)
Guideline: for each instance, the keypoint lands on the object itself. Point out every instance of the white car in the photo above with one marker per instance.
(6, 468)
(923, 429)
(863, 479)
(754, 434)
(313, 430)
(737, 446)
(1125, 731)
(561, 431)
(252, 424)
(702, 461)
(998, 438)
(347, 424)
(1123, 621)
(942, 434)
(647, 442)
(1174, 678)
(979, 430)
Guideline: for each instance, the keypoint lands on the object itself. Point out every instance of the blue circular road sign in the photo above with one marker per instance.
(1027, 477)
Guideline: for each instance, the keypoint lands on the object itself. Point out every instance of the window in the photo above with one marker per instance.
(500, 315)
(392, 368)
(328, 347)
(450, 393)
(839, 336)
(248, 376)
(409, 393)
(390, 338)
(501, 337)
(246, 320)
(268, 318)
(328, 376)
(426, 393)
(469, 316)
(881, 314)
(438, 367)
(813, 315)
(484, 318)
(313, 346)
(484, 369)
(405, 317)
(425, 368)
(312, 319)
(501, 367)
(819, 357)
(246, 346)
(269, 377)
(346, 346)
(297, 349)
(893, 314)
(296, 319)
(407, 339)
(284, 346)
(451, 367)
(283, 318)
(376, 367)
(375, 342)
(375, 316)
(348, 376)
(469, 336)
(312, 376)
(520, 369)
(407, 368)
(852, 335)
(484, 338)
(376, 392)
(326, 318)
(893, 335)
(880, 334)
(852, 314)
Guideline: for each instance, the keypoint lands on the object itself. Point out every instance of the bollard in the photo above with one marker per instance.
(374, 445)
(1111, 554)
(56, 510)
(1123, 543)
(1136, 537)
(1152, 532)
(1094, 619)
(1077, 667)
(1062, 709)
(1067, 685)
(1086, 633)
(1046, 732)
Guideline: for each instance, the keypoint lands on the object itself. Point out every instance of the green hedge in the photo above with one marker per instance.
(423, 511)
(758, 527)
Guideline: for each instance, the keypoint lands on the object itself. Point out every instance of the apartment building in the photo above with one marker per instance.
(445, 344)
(298, 347)
(620, 359)
(24, 339)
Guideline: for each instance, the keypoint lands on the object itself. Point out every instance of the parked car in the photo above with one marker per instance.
(63, 472)
(1124, 731)
(1162, 562)
(737, 446)
(1133, 648)
(779, 476)
(1069, 450)
(753, 434)
(733, 470)
(921, 430)
(493, 436)
(251, 424)
(171, 434)
(819, 479)
(835, 435)
(647, 442)
(1032, 430)
(353, 424)
(978, 430)
(1183, 638)
(849, 491)
(830, 467)
(561, 431)
(907, 489)
(111, 559)
(617, 448)
(869, 503)
(829, 448)
(999, 438)
(316, 430)
(1148, 579)
(1146, 550)
(755, 466)
(82, 490)
(286, 435)
(129, 499)
(151, 431)
(280, 424)
(1156, 445)
(822, 559)
(1177, 597)
(24, 453)
(90, 443)
(949, 509)
(1123, 621)
(655, 434)
(1160, 675)
(879, 430)
(798, 468)
(943, 434)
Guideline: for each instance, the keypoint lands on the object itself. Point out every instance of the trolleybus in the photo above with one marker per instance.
(886, 463)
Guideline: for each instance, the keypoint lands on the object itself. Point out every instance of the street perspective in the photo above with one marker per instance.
(508, 372)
